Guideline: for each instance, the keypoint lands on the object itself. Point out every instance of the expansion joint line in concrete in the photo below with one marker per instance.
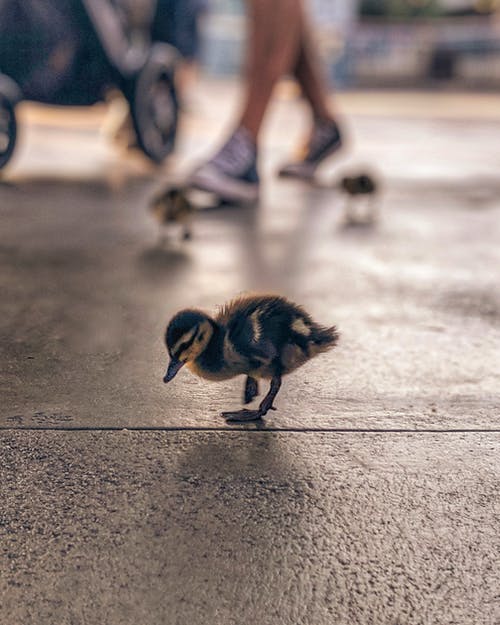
(254, 430)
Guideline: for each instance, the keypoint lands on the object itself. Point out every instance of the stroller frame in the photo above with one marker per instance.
(144, 73)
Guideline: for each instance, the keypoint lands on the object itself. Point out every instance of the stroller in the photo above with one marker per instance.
(71, 52)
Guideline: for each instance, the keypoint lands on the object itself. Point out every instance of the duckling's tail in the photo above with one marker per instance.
(325, 338)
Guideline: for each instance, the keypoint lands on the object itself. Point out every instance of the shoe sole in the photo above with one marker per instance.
(225, 188)
(309, 168)
(305, 174)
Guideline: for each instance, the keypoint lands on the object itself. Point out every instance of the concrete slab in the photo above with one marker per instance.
(276, 529)
(87, 290)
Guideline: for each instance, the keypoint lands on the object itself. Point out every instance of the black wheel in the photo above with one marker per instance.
(8, 130)
(153, 104)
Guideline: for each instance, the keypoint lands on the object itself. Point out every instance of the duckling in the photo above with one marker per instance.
(171, 206)
(355, 187)
(259, 336)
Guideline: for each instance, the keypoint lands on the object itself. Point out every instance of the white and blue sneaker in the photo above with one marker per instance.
(231, 174)
(325, 140)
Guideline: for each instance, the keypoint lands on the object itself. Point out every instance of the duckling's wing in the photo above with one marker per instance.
(244, 335)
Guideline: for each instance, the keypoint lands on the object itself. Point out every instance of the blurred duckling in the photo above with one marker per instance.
(359, 185)
(261, 336)
(172, 206)
(356, 188)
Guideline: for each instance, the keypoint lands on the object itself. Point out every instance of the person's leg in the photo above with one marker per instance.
(278, 44)
(325, 136)
(273, 50)
(307, 71)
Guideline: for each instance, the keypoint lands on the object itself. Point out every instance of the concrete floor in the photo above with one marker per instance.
(369, 496)
(238, 527)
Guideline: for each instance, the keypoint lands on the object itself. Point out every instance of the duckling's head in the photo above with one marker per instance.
(187, 335)
(358, 185)
(348, 184)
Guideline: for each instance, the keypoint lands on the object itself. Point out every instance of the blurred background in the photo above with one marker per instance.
(370, 45)
(374, 43)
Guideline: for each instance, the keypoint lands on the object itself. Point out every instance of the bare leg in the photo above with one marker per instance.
(278, 46)
(325, 137)
(272, 51)
(308, 73)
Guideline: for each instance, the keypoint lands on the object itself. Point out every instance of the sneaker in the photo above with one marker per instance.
(325, 140)
(232, 173)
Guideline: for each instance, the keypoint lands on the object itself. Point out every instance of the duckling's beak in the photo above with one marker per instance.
(173, 370)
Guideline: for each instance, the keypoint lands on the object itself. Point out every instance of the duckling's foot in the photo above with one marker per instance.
(240, 416)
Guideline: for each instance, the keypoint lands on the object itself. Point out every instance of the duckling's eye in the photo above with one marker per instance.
(181, 349)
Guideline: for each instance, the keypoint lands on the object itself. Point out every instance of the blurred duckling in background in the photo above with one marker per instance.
(261, 336)
(356, 189)
(171, 206)
(359, 185)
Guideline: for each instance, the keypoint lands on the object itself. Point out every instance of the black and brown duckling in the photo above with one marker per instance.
(261, 336)
(172, 206)
(356, 188)
(363, 184)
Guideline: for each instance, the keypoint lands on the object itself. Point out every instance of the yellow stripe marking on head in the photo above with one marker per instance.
(185, 338)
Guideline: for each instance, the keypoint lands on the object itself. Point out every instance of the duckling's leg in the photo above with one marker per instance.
(348, 210)
(265, 406)
(162, 237)
(267, 402)
(251, 390)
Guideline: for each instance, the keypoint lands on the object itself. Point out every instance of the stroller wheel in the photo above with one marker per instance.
(153, 104)
(8, 130)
